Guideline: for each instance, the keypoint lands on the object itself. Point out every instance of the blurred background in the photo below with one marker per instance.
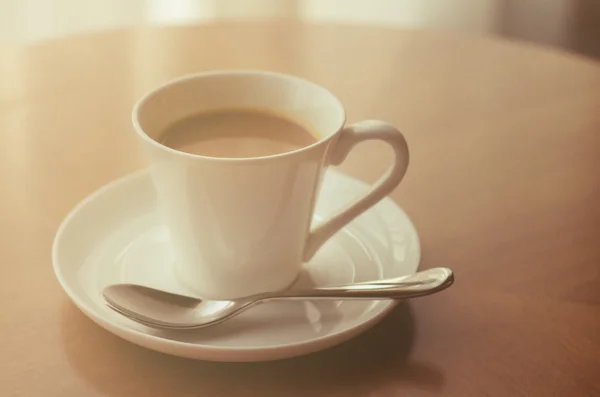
(572, 25)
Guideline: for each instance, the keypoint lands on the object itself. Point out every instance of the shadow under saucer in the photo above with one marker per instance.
(118, 368)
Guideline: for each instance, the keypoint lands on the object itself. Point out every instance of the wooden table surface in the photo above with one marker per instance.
(503, 187)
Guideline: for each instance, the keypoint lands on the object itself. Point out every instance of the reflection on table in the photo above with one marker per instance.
(567, 24)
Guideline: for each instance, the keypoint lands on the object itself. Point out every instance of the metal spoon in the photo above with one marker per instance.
(161, 309)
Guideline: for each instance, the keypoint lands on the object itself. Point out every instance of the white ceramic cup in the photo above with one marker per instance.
(245, 226)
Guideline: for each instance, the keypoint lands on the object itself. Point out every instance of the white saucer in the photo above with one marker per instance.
(114, 236)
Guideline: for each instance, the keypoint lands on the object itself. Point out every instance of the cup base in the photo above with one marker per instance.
(241, 288)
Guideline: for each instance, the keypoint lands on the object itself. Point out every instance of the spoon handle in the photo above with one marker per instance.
(422, 283)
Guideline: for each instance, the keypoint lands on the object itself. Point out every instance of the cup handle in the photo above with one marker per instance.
(351, 135)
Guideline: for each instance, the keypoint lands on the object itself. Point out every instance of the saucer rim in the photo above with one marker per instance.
(306, 347)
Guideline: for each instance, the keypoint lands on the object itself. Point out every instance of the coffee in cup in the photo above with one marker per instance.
(237, 133)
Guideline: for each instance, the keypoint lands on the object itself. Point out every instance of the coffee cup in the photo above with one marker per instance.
(244, 225)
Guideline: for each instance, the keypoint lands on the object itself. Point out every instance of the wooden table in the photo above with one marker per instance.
(503, 187)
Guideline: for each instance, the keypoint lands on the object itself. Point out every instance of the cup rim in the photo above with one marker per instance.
(155, 91)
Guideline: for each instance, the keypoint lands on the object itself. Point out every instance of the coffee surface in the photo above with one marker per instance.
(237, 133)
